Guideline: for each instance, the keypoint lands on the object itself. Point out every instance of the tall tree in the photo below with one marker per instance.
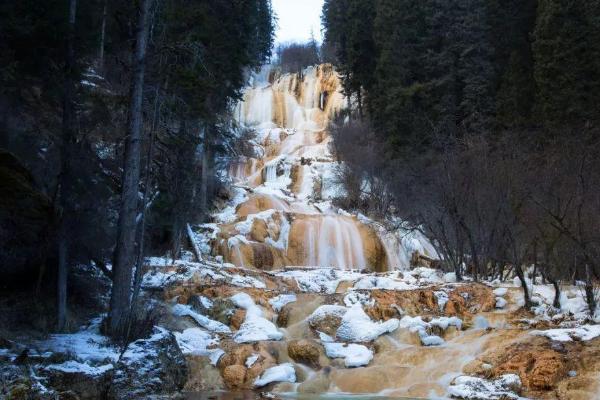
(64, 187)
(124, 258)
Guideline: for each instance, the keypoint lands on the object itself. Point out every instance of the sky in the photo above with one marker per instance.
(296, 18)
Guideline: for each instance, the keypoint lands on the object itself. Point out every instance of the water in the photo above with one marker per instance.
(248, 395)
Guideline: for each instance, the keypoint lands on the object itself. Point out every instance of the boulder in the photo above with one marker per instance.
(150, 367)
(305, 352)
(234, 376)
(83, 381)
(538, 368)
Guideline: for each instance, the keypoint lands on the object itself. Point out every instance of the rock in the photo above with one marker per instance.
(472, 388)
(305, 351)
(539, 368)
(82, 381)
(237, 319)
(234, 376)
(283, 316)
(327, 319)
(222, 310)
(151, 366)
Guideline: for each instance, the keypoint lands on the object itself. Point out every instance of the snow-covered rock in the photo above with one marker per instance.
(183, 310)
(356, 326)
(255, 327)
(354, 355)
(320, 280)
(195, 341)
(473, 388)
(278, 302)
(581, 333)
(278, 373)
(151, 366)
(416, 324)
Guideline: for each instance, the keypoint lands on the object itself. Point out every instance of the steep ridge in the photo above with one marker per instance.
(283, 211)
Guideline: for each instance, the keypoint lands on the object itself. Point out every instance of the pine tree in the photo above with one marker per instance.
(566, 51)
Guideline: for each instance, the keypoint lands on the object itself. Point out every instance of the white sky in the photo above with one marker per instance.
(296, 18)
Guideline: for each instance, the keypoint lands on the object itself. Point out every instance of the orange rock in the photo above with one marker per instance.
(237, 319)
(539, 366)
(305, 351)
(234, 376)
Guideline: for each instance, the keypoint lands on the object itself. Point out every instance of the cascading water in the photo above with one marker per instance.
(293, 172)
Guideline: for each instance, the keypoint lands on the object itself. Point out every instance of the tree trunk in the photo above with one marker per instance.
(205, 172)
(69, 128)
(61, 292)
(590, 296)
(556, 302)
(124, 257)
(102, 36)
(521, 275)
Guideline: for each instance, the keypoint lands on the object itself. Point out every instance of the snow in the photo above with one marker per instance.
(279, 373)
(326, 310)
(354, 355)
(278, 302)
(282, 240)
(73, 366)
(87, 344)
(469, 387)
(251, 360)
(382, 282)
(196, 342)
(325, 338)
(500, 292)
(442, 299)
(182, 310)
(356, 326)
(245, 227)
(245, 301)
(228, 214)
(206, 302)
(255, 328)
(416, 324)
(358, 298)
(581, 333)
(500, 302)
(247, 281)
(319, 280)
(142, 353)
(450, 277)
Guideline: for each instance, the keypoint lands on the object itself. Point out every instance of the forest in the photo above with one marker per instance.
(110, 111)
(310, 199)
(477, 121)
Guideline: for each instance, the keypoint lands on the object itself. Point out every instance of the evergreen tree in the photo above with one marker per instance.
(566, 51)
